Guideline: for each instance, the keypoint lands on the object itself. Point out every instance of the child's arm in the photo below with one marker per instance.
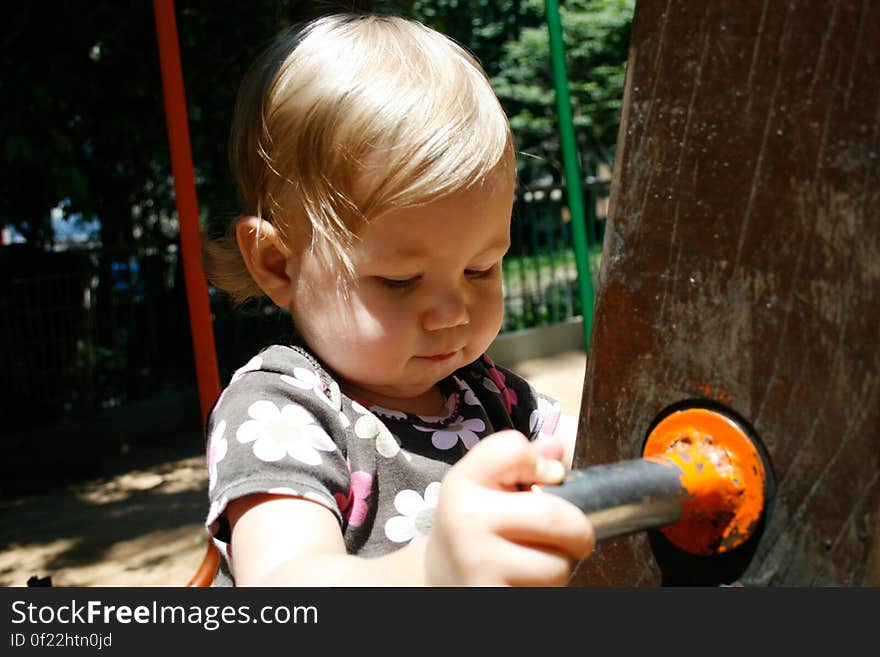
(487, 531)
(279, 541)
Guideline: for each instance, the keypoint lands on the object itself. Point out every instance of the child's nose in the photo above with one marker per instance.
(446, 310)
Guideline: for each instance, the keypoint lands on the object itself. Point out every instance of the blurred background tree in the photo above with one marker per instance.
(83, 127)
(596, 34)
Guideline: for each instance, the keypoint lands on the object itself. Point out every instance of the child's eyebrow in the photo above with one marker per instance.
(497, 245)
(419, 252)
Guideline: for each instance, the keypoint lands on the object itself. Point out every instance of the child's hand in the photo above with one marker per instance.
(489, 531)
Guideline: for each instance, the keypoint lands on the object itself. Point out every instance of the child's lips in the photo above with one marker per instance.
(436, 358)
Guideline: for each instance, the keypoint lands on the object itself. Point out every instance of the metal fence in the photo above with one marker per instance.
(87, 330)
(540, 272)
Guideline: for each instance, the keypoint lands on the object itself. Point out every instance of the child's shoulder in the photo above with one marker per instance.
(281, 374)
(291, 356)
(284, 360)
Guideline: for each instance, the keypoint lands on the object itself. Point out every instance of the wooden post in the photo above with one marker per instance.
(741, 264)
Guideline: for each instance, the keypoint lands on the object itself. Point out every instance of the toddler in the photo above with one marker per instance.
(381, 446)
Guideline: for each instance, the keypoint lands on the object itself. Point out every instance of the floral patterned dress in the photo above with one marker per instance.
(283, 426)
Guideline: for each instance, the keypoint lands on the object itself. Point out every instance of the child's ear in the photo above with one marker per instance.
(265, 256)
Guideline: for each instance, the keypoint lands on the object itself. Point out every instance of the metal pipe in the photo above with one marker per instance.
(201, 326)
(572, 168)
(626, 497)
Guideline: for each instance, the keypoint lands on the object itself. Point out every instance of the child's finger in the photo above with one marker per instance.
(549, 471)
(504, 460)
(516, 564)
(541, 519)
(549, 447)
(550, 451)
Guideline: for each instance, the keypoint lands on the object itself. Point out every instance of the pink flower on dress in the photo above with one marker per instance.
(497, 377)
(354, 508)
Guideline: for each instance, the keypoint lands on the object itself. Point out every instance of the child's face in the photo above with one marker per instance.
(427, 301)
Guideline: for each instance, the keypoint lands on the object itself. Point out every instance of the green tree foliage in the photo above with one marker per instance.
(82, 111)
(84, 123)
(482, 26)
(596, 35)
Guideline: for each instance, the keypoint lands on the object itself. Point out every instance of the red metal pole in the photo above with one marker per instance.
(187, 205)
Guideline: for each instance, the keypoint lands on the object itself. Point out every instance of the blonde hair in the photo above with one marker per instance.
(349, 117)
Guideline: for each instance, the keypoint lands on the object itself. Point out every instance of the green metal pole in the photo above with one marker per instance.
(570, 162)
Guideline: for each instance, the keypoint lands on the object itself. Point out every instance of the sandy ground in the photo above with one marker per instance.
(143, 527)
(138, 528)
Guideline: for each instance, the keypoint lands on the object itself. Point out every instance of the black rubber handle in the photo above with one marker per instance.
(624, 497)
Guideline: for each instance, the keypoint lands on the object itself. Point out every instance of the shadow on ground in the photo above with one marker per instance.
(136, 526)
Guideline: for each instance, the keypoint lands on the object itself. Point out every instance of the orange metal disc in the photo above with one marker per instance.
(722, 473)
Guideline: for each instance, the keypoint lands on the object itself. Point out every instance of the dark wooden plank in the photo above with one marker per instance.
(742, 264)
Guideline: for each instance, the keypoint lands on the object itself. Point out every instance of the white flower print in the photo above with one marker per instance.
(284, 490)
(466, 392)
(304, 379)
(470, 398)
(252, 365)
(465, 430)
(289, 431)
(369, 427)
(308, 380)
(546, 413)
(217, 448)
(417, 514)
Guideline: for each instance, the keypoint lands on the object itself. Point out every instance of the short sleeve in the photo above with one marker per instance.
(276, 428)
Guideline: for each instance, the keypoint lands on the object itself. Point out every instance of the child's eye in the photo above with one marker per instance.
(479, 273)
(398, 283)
